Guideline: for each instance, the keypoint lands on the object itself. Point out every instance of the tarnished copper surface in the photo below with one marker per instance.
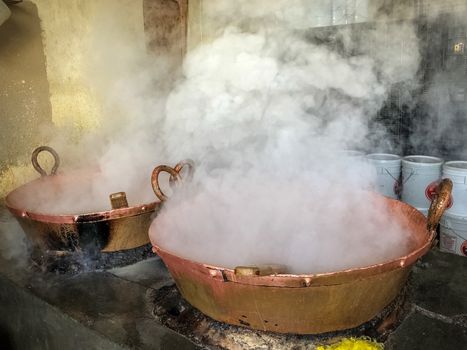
(118, 200)
(155, 179)
(259, 270)
(185, 164)
(440, 204)
(109, 230)
(16, 197)
(302, 304)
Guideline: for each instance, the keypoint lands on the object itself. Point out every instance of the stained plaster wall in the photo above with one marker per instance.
(43, 56)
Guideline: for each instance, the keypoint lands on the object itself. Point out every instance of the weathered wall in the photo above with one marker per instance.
(67, 30)
(24, 94)
(44, 49)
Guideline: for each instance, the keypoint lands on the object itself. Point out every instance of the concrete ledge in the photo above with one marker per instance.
(88, 311)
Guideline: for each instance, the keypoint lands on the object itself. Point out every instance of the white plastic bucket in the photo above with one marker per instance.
(388, 170)
(457, 172)
(453, 234)
(420, 175)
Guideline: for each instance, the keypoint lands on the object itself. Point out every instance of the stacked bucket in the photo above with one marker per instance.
(388, 170)
(420, 177)
(414, 180)
(453, 229)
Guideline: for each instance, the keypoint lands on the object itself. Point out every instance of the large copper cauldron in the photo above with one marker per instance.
(263, 298)
(121, 228)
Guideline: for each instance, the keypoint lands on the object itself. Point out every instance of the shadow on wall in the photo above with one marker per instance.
(5, 340)
(24, 90)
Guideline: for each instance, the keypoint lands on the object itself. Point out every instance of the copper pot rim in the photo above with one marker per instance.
(73, 218)
(308, 280)
(302, 280)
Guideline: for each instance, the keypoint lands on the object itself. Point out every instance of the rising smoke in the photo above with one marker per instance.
(266, 108)
(266, 112)
(13, 239)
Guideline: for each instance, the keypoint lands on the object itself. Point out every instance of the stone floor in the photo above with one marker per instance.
(113, 309)
(439, 305)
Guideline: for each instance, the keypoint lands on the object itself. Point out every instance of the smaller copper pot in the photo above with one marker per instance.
(121, 228)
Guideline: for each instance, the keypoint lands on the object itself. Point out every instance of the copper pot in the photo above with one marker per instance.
(264, 298)
(121, 228)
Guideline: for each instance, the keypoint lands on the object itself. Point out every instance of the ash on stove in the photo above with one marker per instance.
(170, 309)
(62, 261)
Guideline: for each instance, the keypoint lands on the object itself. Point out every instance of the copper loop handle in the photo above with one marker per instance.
(36, 165)
(155, 179)
(189, 164)
(439, 204)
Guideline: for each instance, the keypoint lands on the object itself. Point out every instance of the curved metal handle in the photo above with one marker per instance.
(155, 180)
(439, 204)
(36, 165)
(175, 176)
(187, 163)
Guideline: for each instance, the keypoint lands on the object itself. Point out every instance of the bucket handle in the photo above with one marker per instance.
(439, 204)
(35, 162)
(390, 175)
(175, 177)
(404, 181)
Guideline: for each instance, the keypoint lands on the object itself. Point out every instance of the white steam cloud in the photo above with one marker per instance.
(13, 239)
(266, 113)
(265, 109)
